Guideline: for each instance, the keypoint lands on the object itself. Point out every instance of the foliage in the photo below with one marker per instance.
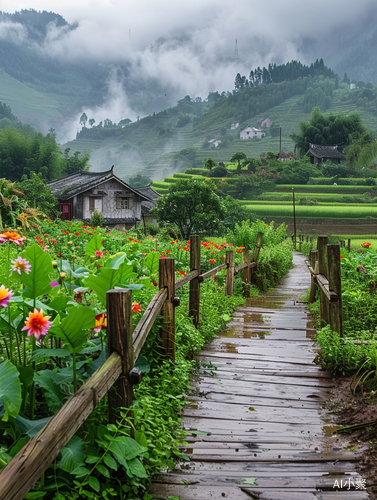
(193, 206)
(139, 181)
(330, 129)
(37, 194)
(96, 219)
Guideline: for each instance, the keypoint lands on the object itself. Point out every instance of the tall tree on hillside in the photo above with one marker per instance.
(83, 119)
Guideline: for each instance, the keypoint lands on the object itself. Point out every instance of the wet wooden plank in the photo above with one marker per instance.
(259, 401)
(272, 359)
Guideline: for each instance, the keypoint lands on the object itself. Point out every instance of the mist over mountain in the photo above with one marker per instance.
(117, 62)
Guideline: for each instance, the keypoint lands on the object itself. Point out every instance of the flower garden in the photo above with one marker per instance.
(53, 286)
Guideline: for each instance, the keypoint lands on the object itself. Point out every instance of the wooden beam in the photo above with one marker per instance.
(229, 284)
(194, 299)
(335, 286)
(167, 281)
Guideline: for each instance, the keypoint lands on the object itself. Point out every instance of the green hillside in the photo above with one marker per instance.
(178, 138)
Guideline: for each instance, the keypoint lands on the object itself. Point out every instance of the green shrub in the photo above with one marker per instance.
(96, 219)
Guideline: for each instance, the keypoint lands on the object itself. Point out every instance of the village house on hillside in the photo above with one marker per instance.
(318, 153)
(81, 193)
(251, 133)
(214, 143)
(234, 126)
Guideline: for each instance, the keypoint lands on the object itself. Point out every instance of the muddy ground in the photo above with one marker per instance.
(350, 406)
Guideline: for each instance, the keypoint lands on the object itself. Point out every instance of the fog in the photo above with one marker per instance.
(188, 46)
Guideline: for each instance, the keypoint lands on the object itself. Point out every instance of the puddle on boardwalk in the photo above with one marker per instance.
(244, 334)
(229, 347)
(330, 429)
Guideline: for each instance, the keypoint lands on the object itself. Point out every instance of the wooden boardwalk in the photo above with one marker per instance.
(255, 419)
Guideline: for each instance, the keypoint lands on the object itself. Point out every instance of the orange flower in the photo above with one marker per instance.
(366, 244)
(212, 261)
(136, 307)
(37, 324)
(101, 322)
(12, 237)
(181, 272)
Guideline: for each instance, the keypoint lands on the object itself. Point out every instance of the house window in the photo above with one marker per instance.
(123, 203)
(95, 204)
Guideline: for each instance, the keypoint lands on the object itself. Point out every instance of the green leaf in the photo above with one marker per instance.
(33, 495)
(141, 439)
(80, 472)
(151, 262)
(26, 375)
(104, 281)
(72, 327)
(30, 427)
(72, 455)
(37, 282)
(19, 445)
(250, 480)
(47, 353)
(93, 245)
(110, 462)
(137, 468)
(116, 260)
(60, 303)
(91, 459)
(126, 447)
(10, 389)
(94, 483)
(54, 396)
(125, 272)
(226, 318)
(103, 470)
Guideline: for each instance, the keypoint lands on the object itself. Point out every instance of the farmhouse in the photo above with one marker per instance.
(318, 153)
(251, 133)
(81, 193)
(234, 126)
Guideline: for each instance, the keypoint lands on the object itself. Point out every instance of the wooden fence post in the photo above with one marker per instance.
(322, 269)
(167, 280)
(335, 285)
(119, 339)
(349, 244)
(229, 284)
(313, 261)
(246, 275)
(257, 246)
(194, 299)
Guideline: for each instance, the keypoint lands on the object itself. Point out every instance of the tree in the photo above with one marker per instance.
(238, 157)
(37, 194)
(139, 181)
(83, 119)
(210, 164)
(92, 122)
(329, 130)
(192, 206)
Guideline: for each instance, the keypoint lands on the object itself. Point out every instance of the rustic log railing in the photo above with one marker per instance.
(118, 374)
(326, 275)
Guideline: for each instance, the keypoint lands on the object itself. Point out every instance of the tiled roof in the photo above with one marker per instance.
(320, 151)
(79, 182)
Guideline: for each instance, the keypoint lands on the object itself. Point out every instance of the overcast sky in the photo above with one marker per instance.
(201, 61)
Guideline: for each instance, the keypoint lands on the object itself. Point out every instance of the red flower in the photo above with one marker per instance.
(366, 244)
(341, 256)
(136, 307)
(212, 261)
(181, 272)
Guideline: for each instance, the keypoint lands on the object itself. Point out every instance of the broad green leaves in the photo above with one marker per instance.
(10, 390)
(108, 278)
(93, 245)
(37, 282)
(72, 328)
(151, 262)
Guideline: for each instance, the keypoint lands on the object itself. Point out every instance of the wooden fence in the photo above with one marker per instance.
(326, 275)
(118, 372)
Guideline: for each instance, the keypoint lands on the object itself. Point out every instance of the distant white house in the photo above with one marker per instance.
(251, 133)
(234, 126)
(353, 86)
(214, 143)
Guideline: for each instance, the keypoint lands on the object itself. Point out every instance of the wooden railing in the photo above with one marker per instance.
(118, 373)
(326, 275)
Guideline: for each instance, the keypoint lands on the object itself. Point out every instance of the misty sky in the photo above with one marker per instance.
(189, 44)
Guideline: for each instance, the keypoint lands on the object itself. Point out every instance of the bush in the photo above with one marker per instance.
(96, 219)
(219, 171)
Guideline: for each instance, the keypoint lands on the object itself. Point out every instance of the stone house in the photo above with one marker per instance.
(81, 193)
(318, 153)
(251, 133)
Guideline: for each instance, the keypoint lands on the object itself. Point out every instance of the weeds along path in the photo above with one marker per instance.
(255, 420)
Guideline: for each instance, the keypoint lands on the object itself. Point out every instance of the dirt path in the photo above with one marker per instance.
(256, 423)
